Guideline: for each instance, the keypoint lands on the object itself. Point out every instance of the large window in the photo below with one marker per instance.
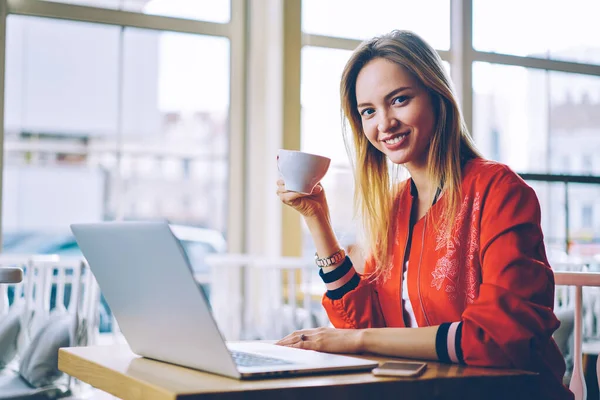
(105, 122)
(539, 112)
(322, 133)
(111, 115)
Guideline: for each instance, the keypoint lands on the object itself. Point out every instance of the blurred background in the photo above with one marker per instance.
(175, 109)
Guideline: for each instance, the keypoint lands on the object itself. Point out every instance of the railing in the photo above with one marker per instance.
(256, 297)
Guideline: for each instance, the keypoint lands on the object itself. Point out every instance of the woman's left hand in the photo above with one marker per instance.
(328, 340)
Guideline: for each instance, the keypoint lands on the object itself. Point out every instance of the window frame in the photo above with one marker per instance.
(234, 30)
(287, 227)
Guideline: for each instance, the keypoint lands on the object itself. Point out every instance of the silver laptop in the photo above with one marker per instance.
(147, 281)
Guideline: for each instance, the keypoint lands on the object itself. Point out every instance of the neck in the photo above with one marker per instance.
(421, 180)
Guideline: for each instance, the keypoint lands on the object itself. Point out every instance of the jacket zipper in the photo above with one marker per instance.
(404, 261)
(409, 236)
(419, 273)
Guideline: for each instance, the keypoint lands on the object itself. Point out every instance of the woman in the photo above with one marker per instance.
(457, 250)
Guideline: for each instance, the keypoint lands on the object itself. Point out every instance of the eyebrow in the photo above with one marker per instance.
(387, 96)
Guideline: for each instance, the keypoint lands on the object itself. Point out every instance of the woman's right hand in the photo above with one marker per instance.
(309, 205)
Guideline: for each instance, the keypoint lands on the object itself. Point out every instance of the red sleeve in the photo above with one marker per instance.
(511, 322)
(354, 305)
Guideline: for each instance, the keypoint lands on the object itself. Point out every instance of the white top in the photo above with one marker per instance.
(407, 304)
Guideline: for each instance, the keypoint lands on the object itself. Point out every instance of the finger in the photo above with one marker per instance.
(285, 342)
(299, 345)
(290, 197)
(289, 339)
(296, 336)
(317, 189)
(280, 182)
(305, 344)
(294, 342)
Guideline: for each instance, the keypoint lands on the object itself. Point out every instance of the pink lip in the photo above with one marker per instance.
(393, 136)
(395, 146)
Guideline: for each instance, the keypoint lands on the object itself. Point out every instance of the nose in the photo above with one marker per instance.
(387, 123)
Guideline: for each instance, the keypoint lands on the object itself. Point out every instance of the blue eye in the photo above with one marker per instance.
(366, 112)
(400, 99)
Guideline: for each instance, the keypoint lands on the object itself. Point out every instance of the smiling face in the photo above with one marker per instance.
(396, 112)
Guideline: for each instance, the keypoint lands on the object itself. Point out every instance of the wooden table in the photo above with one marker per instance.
(116, 370)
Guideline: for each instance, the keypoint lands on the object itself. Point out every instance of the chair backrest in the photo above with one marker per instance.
(52, 284)
(11, 288)
(577, 280)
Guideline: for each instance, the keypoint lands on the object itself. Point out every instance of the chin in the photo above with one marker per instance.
(398, 159)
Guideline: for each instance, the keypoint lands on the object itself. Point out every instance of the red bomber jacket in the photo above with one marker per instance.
(488, 284)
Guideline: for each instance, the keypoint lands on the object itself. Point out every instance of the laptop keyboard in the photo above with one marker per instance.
(254, 360)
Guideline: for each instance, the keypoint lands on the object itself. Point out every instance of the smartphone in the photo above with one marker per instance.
(400, 368)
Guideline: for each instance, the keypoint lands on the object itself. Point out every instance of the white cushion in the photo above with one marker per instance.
(10, 326)
(39, 364)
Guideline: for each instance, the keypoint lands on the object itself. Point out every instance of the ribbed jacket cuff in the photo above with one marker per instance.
(344, 273)
(447, 343)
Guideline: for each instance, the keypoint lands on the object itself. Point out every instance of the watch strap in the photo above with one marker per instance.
(333, 259)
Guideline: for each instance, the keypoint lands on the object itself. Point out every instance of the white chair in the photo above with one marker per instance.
(578, 280)
(46, 326)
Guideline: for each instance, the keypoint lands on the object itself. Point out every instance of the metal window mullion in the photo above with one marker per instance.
(3, 15)
(330, 42)
(49, 9)
(537, 63)
(236, 210)
(461, 48)
(291, 227)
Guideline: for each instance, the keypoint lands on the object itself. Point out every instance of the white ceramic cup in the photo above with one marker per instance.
(301, 171)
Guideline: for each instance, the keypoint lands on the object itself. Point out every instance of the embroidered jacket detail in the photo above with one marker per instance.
(456, 272)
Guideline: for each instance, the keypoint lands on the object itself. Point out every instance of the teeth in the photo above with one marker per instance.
(395, 140)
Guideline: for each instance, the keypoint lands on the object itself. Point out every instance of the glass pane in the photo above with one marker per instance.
(203, 10)
(81, 147)
(584, 219)
(553, 116)
(574, 123)
(60, 93)
(322, 134)
(545, 122)
(561, 30)
(174, 142)
(358, 19)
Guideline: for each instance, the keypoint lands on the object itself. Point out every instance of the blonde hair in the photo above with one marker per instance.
(376, 183)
